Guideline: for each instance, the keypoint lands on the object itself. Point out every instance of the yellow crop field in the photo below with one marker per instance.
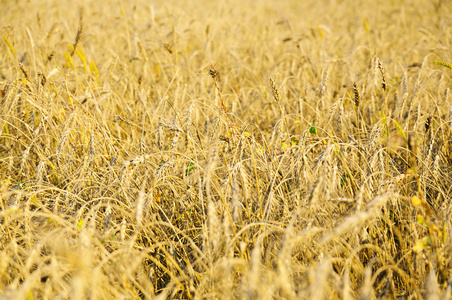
(225, 149)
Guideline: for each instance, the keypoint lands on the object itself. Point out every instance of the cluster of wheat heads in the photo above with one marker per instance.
(233, 151)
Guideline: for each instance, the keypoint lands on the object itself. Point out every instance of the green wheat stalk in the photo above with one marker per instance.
(442, 63)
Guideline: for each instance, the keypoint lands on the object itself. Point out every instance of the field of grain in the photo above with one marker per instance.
(225, 149)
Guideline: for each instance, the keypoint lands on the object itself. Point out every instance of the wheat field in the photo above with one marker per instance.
(225, 149)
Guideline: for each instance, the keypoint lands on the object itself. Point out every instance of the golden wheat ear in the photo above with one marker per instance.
(382, 71)
(78, 37)
(275, 90)
(356, 93)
